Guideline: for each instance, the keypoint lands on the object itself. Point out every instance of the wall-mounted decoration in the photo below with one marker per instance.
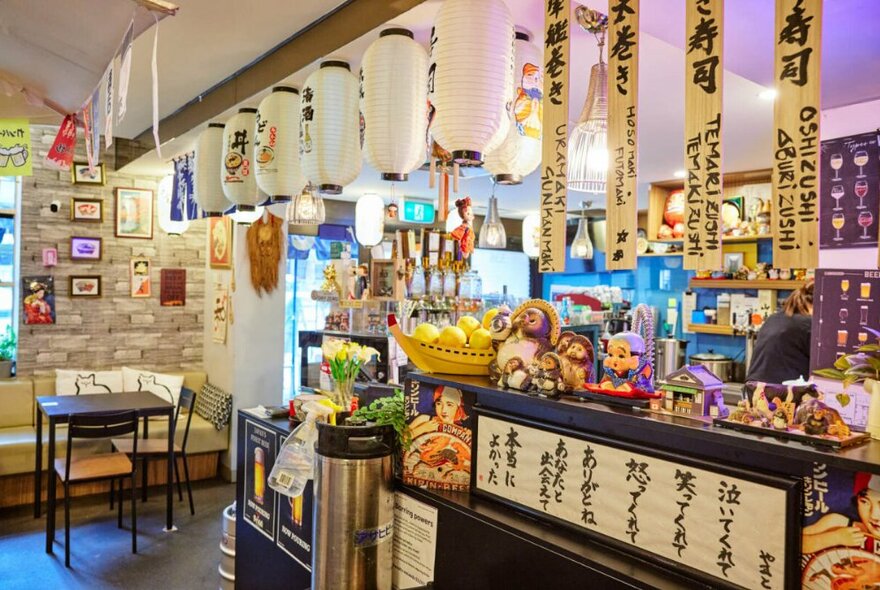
(50, 257)
(264, 243)
(220, 242)
(60, 157)
(15, 147)
(38, 303)
(86, 210)
(134, 213)
(183, 203)
(85, 286)
(141, 284)
(172, 291)
(171, 224)
(220, 317)
(80, 174)
(82, 248)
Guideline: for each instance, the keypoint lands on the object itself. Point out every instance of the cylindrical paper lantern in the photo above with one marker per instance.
(239, 185)
(520, 152)
(276, 148)
(163, 209)
(531, 228)
(394, 75)
(369, 220)
(470, 77)
(207, 178)
(330, 143)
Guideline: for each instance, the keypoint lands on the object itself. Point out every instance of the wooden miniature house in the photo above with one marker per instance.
(692, 390)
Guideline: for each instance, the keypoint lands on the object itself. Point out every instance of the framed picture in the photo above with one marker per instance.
(134, 213)
(86, 210)
(141, 284)
(733, 261)
(38, 302)
(79, 174)
(172, 290)
(85, 286)
(220, 241)
(85, 248)
(382, 279)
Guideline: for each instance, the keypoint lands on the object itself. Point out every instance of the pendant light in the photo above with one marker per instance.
(207, 176)
(239, 185)
(163, 209)
(470, 77)
(369, 220)
(308, 207)
(531, 228)
(581, 246)
(588, 143)
(492, 232)
(394, 75)
(520, 152)
(277, 167)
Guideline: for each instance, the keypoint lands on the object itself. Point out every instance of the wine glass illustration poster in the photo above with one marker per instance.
(849, 205)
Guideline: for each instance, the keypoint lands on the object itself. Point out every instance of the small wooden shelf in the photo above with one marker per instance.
(657, 254)
(777, 285)
(711, 329)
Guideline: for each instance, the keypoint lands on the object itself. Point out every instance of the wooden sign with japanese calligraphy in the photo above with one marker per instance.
(554, 171)
(623, 125)
(796, 116)
(704, 72)
(720, 524)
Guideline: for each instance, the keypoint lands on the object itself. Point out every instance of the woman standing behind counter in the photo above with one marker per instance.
(782, 351)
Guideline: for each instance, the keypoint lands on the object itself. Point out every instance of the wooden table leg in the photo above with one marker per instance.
(169, 516)
(50, 516)
(145, 462)
(38, 467)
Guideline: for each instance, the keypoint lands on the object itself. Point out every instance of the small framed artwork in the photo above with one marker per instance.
(141, 285)
(85, 248)
(134, 213)
(38, 299)
(220, 244)
(80, 174)
(172, 290)
(85, 286)
(86, 210)
(382, 279)
(733, 261)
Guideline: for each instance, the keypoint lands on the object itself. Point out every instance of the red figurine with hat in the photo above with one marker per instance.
(464, 233)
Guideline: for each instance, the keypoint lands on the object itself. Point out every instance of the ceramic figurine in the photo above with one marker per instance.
(500, 326)
(548, 375)
(784, 274)
(780, 420)
(626, 368)
(362, 283)
(577, 355)
(330, 285)
(516, 375)
(534, 330)
(761, 270)
(464, 233)
(773, 274)
(817, 418)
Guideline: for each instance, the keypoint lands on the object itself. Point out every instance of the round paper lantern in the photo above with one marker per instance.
(369, 220)
(394, 74)
(520, 152)
(276, 145)
(163, 209)
(470, 77)
(207, 178)
(330, 127)
(531, 229)
(239, 185)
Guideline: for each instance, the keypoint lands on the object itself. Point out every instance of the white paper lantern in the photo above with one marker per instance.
(276, 149)
(394, 75)
(239, 185)
(207, 178)
(520, 153)
(531, 228)
(470, 77)
(163, 209)
(369, 220)
(246, 216)
(330, 127)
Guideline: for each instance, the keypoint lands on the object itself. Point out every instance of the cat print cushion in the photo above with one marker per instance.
(165, 386)
(84, 382)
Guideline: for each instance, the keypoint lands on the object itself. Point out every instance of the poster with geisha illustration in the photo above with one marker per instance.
(38, 301)
(439, 420)
(841, 530)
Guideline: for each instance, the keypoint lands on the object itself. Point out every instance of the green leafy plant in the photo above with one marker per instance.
(388, 410)
(7, 345)
(856, 367)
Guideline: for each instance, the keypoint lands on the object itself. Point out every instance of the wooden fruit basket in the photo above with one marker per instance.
(433, 358)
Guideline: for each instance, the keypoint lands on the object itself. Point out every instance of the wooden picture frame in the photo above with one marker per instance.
(85, 286)
(134, 213)
(86, 249)
(382, 279)
(141, 282)
(220, 242)
(79, 174)
(87, 210)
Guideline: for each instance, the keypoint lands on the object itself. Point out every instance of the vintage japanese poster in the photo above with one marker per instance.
(15, 147)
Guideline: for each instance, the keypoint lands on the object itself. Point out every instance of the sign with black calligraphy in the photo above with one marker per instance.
(712, 522)
(704, 72)
(623, 148)
(796, 115)
(554, 171)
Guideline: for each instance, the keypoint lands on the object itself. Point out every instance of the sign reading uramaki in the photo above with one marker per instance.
(623, 151)
(554, 171)
(704, 30)
(796, 134)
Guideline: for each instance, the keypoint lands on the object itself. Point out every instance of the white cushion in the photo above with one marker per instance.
(165, 386)
(82, 382)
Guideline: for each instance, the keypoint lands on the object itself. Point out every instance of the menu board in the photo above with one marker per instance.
(711, 521)
(260, 449)
(849, 205)
(295, 523)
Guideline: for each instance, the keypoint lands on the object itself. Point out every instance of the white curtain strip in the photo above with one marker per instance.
(155, 69)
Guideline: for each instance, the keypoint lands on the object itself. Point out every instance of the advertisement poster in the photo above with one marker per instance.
(260, 448)
(439, 420)
(38, 299)
(848, 302)
(415, 543)
(295, 523)
(15, 147)
(850, 182)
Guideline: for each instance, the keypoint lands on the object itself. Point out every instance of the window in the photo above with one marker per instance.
(10, 188)
(502, 271)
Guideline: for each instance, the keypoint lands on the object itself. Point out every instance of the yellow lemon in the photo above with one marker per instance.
(427, 333)
(481, 339)
(453, 337)
(468, 324)
(488, 316)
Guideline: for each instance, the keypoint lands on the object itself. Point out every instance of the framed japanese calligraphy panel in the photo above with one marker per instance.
(729, 527)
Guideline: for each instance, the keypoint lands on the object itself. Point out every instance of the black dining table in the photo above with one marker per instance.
(58, 409)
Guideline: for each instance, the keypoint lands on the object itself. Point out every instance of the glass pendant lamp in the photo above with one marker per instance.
(307, 207)
(581, 246)
(492, 233)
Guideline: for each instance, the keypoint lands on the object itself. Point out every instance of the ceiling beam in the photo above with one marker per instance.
(326, 35)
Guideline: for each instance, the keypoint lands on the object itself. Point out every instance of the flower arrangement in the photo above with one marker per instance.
(345, 360)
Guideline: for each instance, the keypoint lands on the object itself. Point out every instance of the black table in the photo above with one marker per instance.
(58, 409)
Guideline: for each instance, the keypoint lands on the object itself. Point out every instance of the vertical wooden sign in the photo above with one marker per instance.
(554, 171)
(623, 147)
(704, 72)
(796, 117)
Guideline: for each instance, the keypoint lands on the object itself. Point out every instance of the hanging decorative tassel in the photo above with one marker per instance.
(443, 199)
(432, 180)
(455, 171)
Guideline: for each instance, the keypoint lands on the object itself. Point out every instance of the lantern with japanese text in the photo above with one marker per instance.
(330, 127)
(470, 77)
(276, 145)
(207, 178)
(239, 185)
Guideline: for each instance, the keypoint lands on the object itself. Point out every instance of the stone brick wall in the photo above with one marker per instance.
(113, 330)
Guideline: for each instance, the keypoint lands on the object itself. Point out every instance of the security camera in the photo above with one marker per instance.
(54, 206)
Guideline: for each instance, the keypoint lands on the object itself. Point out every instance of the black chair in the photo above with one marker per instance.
(158, 447)
(98, 467)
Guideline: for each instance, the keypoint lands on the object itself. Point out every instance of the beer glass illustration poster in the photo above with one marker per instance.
(260, 449)
(440, 419)
(850, 181)
(15, 147)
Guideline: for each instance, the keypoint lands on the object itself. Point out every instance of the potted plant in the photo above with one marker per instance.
(389, 410)
(7, 352)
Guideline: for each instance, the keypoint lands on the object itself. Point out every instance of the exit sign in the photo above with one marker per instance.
(417, 211)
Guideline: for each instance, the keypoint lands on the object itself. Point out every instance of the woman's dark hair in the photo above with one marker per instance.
(800, 301)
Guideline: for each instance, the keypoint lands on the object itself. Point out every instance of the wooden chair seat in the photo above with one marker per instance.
(149, 446)
(94, 467)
